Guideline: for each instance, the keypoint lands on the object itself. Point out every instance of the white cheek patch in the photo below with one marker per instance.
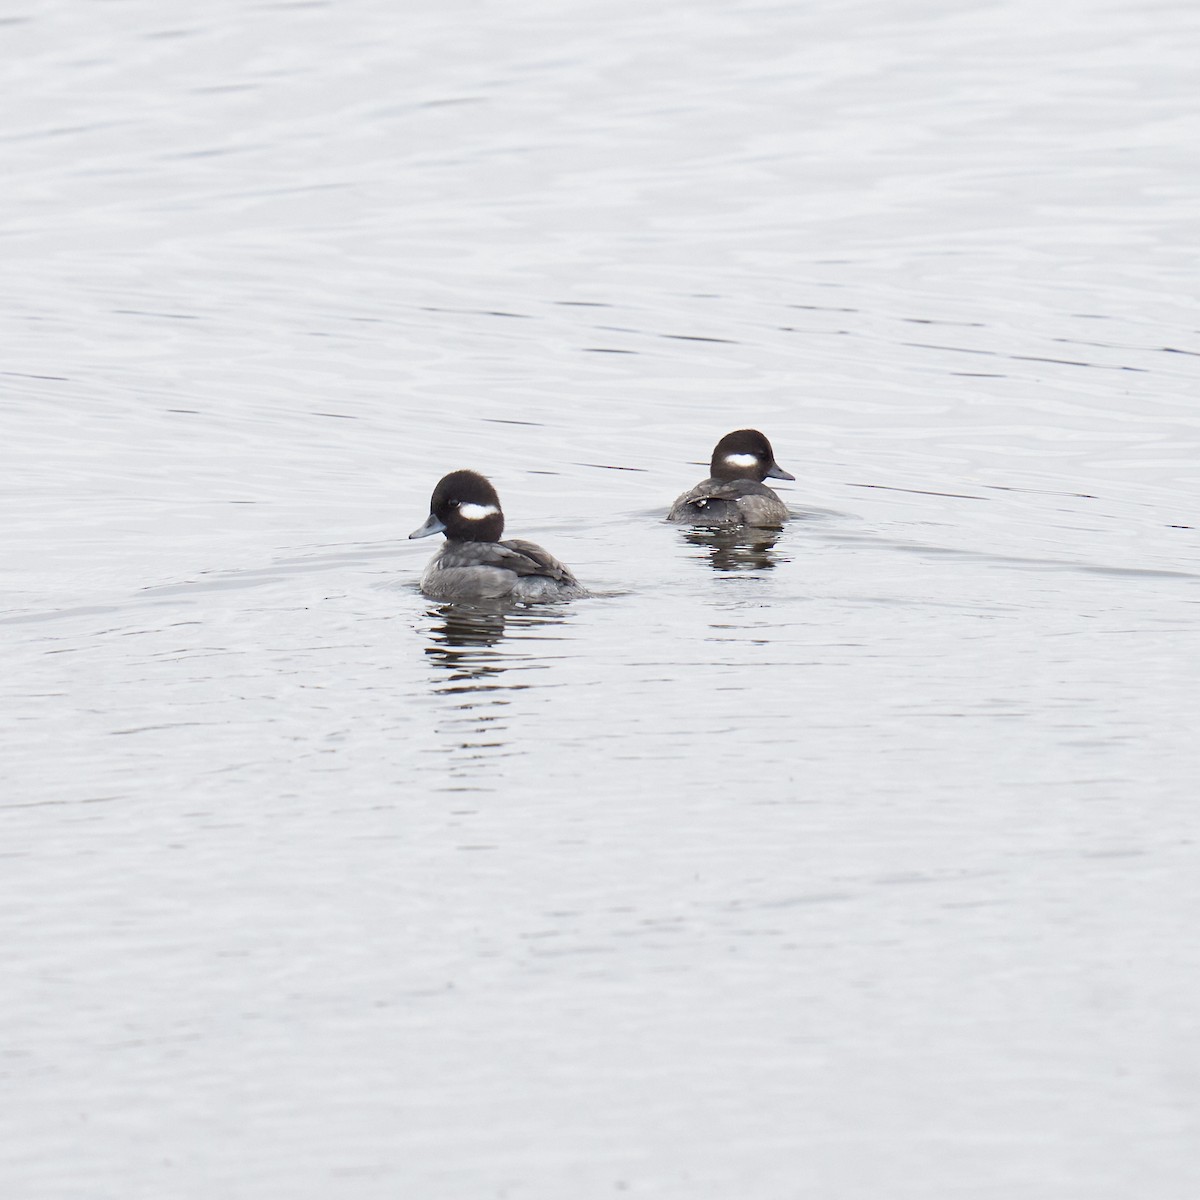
(741, 460)
(476, 512)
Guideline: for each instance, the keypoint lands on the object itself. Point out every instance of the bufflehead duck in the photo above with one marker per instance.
(735, 494)
(474, 564)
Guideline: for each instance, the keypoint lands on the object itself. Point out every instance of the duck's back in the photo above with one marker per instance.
(729, 502)
(513, 569)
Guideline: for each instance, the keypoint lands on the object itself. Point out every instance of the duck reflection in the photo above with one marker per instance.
(463, 643)
(746, 548)
(482, 655)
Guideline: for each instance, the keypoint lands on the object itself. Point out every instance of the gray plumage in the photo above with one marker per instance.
(730, 502)
(516, 570)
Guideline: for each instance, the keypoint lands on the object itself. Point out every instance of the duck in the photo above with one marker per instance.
(734, 493)
(473, 563)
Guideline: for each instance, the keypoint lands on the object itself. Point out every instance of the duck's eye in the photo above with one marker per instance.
(453, 503)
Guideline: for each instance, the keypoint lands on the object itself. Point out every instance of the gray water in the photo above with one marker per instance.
(858, 864)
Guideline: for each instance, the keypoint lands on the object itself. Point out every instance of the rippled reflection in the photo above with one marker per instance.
(743, 549)
(483, 655)
(463, 642)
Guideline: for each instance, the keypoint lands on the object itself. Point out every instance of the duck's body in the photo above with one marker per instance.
(474, 564)
(513, 570)
(734, 494)
(729, 502)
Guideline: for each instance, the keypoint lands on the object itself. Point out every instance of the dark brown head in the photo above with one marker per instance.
(465, 508)
(746, 454)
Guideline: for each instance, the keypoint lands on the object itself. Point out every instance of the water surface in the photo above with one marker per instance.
(858, 861)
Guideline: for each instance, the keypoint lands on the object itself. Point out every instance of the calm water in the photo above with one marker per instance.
(858, 864)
